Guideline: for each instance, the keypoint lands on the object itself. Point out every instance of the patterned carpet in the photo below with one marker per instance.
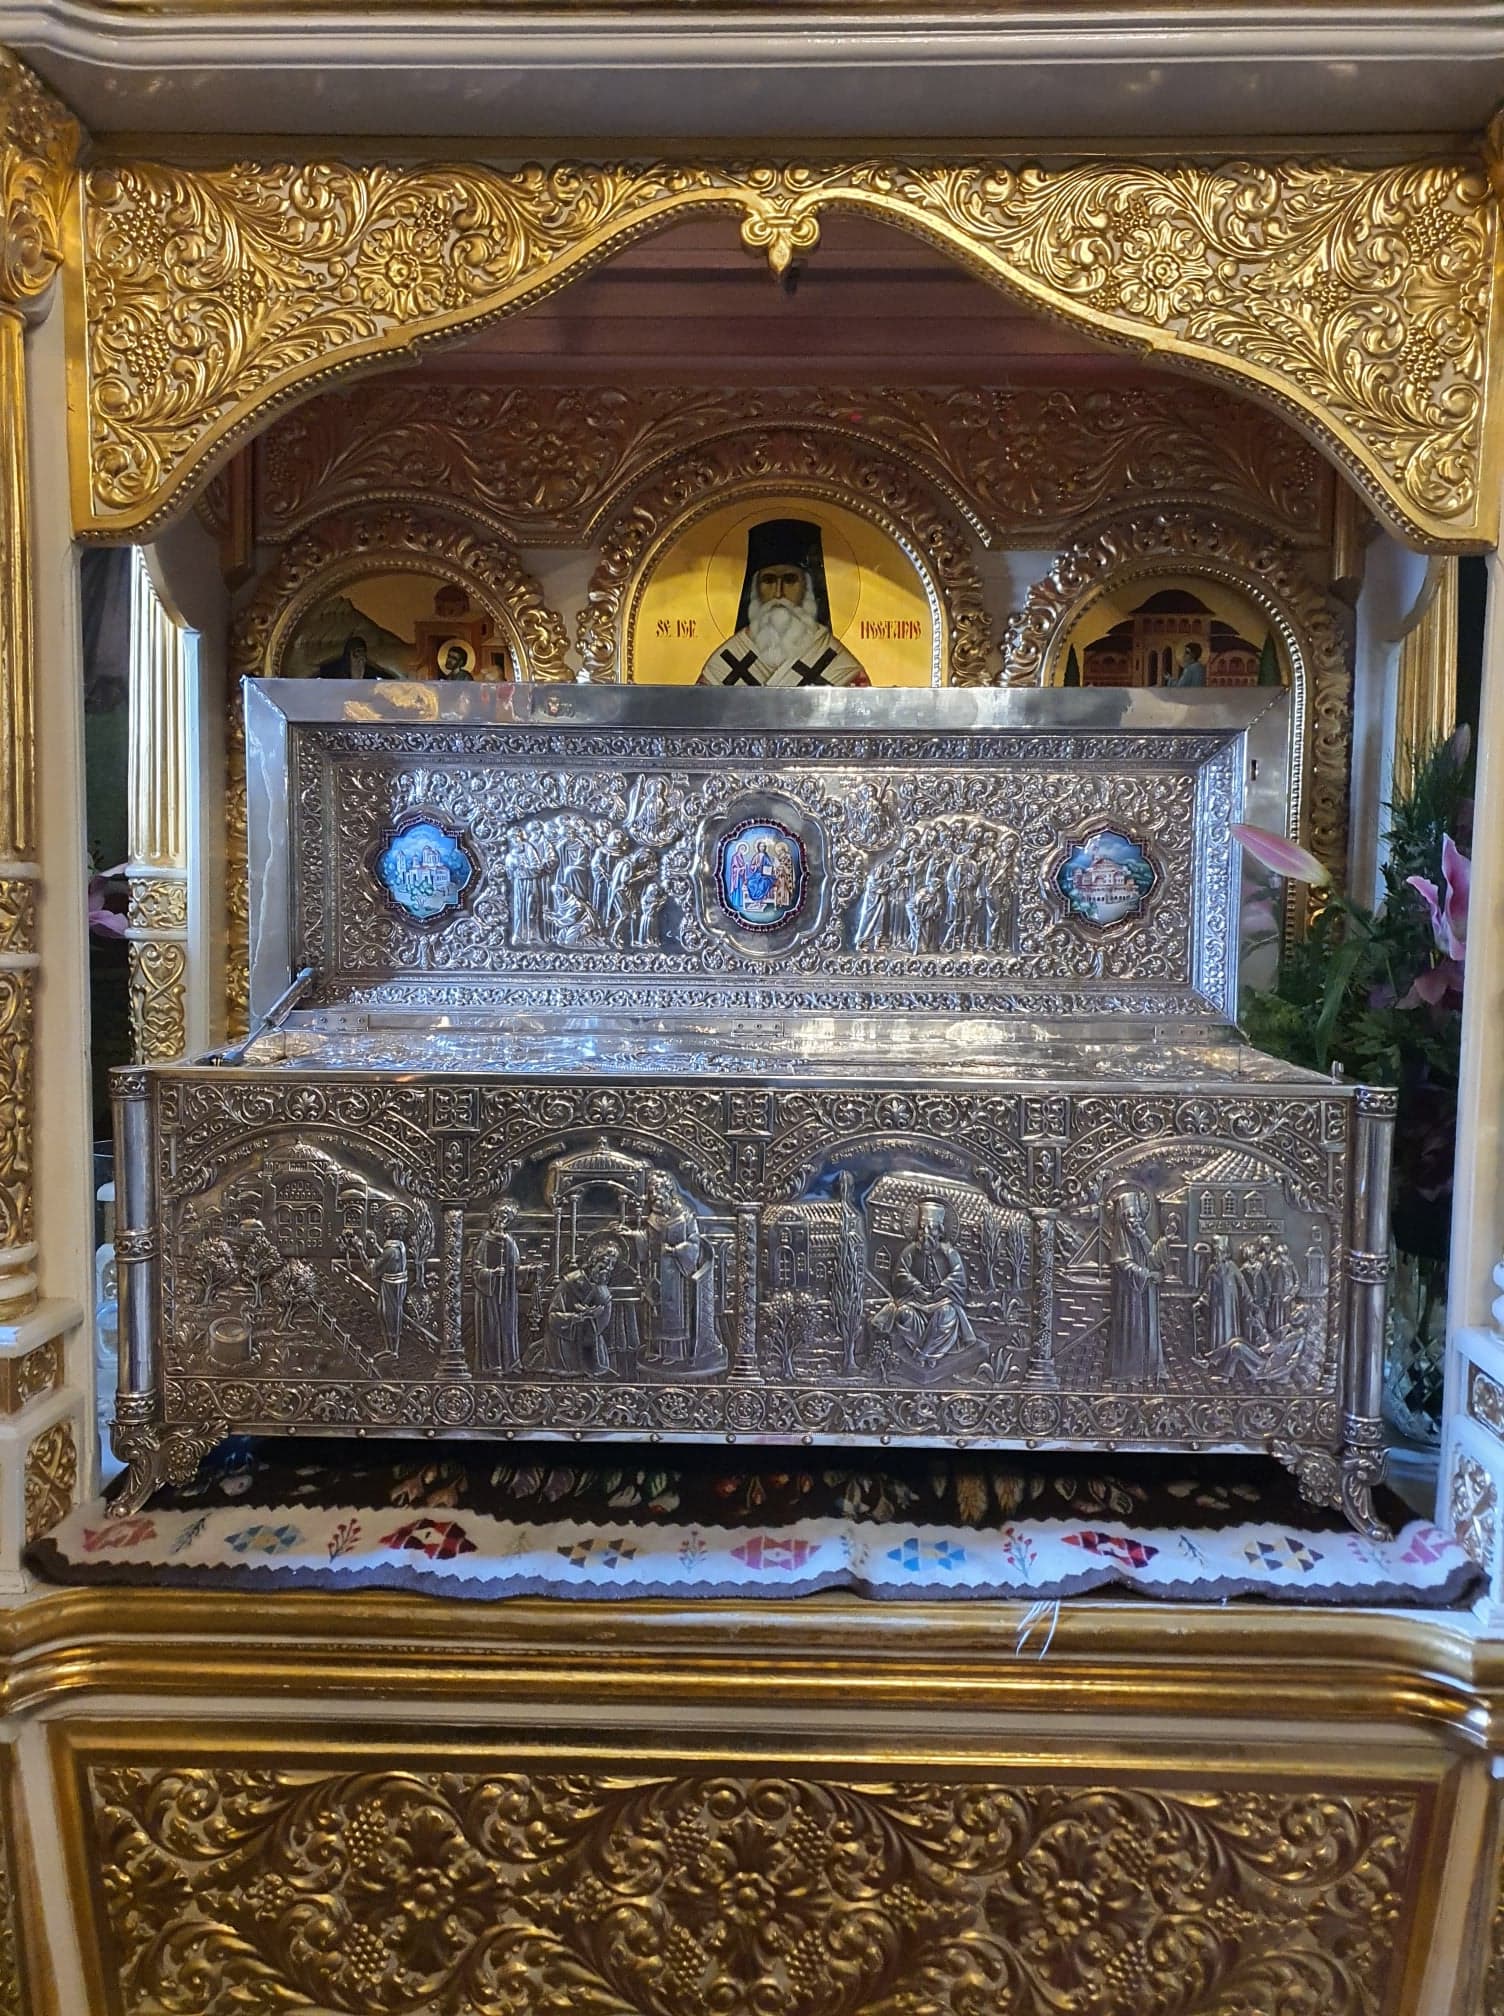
(617, 1522)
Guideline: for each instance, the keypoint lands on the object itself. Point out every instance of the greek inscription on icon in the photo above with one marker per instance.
(425, 869)
(1106, 878)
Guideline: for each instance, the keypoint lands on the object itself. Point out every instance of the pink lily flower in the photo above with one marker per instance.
(1449, 913)
(103, 921)
(1433, 985)
(1283, 857)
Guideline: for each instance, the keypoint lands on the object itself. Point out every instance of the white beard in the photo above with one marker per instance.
(783, 631)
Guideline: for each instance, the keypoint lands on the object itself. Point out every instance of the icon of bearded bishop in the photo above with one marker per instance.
(783, 620)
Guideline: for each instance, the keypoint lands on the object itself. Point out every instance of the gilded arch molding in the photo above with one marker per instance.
(1356, 300)
(816, 464)
(1147, 545)
(342, 549)
(330, 555)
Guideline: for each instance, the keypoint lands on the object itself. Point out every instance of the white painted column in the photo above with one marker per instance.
(63, 1168)
(157, 789)
(185, 570)
(1393, 579)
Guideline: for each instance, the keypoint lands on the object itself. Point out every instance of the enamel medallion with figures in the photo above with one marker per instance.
(760, 875)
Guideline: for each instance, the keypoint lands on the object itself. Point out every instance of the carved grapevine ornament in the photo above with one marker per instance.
(1355, 299)
(794, 1896)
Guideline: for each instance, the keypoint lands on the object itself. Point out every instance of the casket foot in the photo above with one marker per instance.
(1357, 1503)
(1316, 1471)
(1363, 1468)
(1345, 1482)
(153, 1457)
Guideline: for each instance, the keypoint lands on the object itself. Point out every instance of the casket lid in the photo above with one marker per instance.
(1060, 854)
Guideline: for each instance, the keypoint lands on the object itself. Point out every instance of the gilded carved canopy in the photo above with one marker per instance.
(1356, 300)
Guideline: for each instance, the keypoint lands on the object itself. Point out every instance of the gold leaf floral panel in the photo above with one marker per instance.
(417, 1889)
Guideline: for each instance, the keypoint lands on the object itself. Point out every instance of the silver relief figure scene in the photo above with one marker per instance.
(918, 854)
(834, 1067)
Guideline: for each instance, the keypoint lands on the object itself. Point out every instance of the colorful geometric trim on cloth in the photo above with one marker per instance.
(628, 1524)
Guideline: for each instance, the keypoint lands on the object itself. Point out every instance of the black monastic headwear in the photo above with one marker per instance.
(785, 542)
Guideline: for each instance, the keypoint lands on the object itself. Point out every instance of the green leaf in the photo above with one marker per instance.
(1339, 979)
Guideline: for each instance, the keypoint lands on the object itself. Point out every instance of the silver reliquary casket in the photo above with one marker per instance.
(829, 1068)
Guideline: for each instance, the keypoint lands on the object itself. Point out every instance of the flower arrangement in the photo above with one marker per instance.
(1379, 991)
(106, 919)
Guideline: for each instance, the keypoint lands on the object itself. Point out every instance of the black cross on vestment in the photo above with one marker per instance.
(741, 669)
(814, 675)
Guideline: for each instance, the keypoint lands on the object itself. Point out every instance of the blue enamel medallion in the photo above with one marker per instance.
(425, 870)
(1106, 878)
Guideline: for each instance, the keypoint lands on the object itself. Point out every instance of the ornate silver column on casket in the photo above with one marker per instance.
(829, 1068)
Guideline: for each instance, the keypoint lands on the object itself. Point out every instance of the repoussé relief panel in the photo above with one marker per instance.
(621, 1248)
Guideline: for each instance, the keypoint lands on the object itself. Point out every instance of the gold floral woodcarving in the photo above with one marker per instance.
(543, 464)
(158, 999)
(1473, 1505)
(452, 1892)
(22, 1378)
(237, 874)
(38, 143)
(1153, 543)
(805, 463)
(13, 1989)
(1356, 299)
(1493, 1978)
(51, 1477)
